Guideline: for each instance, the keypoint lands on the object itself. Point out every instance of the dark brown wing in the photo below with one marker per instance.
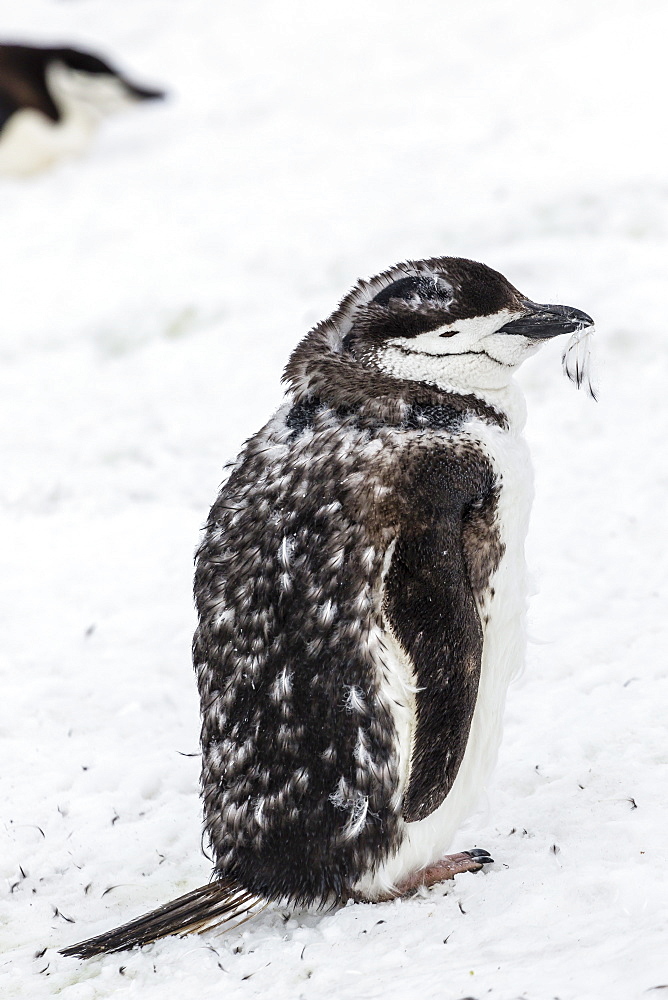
(429, 604)
(23, 81)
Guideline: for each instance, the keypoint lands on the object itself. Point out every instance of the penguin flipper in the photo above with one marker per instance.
(23, 81)
(8, 107)
(219, 902)
(430, 608)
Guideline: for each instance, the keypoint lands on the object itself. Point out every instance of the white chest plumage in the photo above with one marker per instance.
(502, 611)
(30, 142)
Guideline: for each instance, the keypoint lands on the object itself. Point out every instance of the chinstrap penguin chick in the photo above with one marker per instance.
(52, 100)
(361, 596)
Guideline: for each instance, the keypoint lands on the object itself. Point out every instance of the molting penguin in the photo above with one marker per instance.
(51, 101)
(361, 597)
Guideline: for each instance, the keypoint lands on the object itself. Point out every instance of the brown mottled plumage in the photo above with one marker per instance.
(360, 596)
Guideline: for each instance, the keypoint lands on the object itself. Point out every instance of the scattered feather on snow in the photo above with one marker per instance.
(307, 145)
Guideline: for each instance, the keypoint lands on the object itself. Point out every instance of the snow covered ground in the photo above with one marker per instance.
(150, 296)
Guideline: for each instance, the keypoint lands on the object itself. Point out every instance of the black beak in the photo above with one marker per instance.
(542, 322)
(144, 93)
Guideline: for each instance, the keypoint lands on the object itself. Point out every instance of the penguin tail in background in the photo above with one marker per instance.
(219, 902)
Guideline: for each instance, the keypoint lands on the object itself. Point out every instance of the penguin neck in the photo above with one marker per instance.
(510, 400)
(507, 399)
(72, 109)
(319, 370)
(86, 99)
(464, 374)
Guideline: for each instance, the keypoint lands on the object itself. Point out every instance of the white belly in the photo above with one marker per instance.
(30, 142)
(427, 840)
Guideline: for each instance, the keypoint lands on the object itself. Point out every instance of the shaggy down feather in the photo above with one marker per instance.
(361, 596)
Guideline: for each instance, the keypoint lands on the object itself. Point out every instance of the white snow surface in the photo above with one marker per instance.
(151, 293)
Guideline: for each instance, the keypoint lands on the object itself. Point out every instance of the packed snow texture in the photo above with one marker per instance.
(151, 293)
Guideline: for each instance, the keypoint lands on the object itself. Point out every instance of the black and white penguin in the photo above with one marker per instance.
(51, 102)
(361, 598)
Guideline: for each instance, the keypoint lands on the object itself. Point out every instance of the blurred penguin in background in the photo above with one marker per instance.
(51, 102)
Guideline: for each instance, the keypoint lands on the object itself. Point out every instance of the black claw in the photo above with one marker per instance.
(480, 855)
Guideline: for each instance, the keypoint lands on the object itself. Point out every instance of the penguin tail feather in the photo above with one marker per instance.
(219, 902)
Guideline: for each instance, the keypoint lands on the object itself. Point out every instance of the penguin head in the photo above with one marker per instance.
(82, 80)
(449, 321)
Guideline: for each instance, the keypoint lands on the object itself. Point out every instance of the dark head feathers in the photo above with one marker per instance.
(432, 289)
(408, 299)
(23, 79)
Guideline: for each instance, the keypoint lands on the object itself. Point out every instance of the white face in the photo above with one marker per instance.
(100, 93)
(467, 353)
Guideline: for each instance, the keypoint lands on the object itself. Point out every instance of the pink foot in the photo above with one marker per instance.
(447, 867)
